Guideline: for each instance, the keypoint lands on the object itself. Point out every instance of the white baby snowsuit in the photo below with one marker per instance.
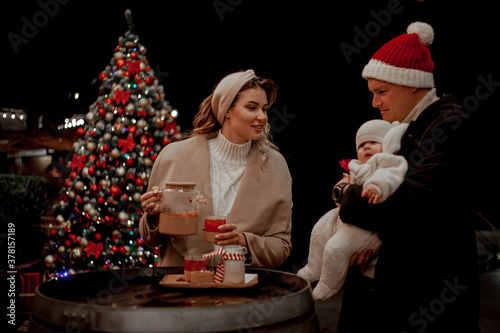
(334, 242)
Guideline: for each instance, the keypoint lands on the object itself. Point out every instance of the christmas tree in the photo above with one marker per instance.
(126, 127)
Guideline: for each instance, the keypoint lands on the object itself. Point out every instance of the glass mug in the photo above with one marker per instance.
(211, 227)
(195, 269)
(179, 209)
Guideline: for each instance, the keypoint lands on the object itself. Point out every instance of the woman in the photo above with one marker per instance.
(236, 167)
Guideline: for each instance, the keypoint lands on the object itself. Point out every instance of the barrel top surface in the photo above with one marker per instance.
(129, 288)
(131, 300)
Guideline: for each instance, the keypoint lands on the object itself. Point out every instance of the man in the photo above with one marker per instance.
(426, 274)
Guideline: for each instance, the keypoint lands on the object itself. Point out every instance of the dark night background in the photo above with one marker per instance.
(296, 43)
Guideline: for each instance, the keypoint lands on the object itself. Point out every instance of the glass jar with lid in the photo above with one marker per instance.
(234, 264)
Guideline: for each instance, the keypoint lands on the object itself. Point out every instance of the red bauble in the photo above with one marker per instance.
(98, 236)
(121, 62)
(101, 200)
(120, 111)
(149, 80)
(133, 55)
(122, 249)
(101, 112)
(73, 174)
(115, 191)
(139, 242)
(139, 181)
(102, 76)
(129, 162)
(80, 131)
(114, 248)
(132, 129)
(53, 232)
(95, 189)
(91, 170)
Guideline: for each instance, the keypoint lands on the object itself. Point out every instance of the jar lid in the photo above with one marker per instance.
(181, 185)
(235, 249)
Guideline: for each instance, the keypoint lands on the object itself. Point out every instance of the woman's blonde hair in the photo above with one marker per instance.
(206, 123)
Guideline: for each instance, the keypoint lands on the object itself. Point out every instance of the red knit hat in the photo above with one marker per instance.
(405, 60)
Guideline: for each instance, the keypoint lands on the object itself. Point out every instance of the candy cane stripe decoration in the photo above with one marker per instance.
(219, 272)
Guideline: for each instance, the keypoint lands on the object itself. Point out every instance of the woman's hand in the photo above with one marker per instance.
(150, 201)
(230, 236)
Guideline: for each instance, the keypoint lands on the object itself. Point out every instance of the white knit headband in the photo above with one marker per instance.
(227, 90)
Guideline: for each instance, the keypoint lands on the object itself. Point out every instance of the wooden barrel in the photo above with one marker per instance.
(131, 300)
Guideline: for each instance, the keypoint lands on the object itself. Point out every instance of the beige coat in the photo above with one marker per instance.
(261, 211)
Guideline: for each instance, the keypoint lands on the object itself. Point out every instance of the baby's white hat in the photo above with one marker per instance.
(372, 130)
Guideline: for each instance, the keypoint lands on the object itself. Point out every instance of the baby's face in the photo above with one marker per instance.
(367, 149)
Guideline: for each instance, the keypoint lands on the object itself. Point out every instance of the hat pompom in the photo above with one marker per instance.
(423, 30)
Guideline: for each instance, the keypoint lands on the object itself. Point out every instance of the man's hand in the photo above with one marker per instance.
(362, 258)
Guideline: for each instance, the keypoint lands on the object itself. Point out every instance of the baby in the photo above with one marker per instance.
(334, 242)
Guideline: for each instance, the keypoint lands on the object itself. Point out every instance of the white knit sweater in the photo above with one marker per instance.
(227, 164)
(427, 100)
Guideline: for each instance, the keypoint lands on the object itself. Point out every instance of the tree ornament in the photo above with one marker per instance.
(120, 63)
(143, 102)
(49, 260)
(84, 242)
(80, 131)
(123, 217)
(75, 254)
(116, 235)
(115, 191)
(115, 153)
(141, 123)
(91, 146)
(103, 76)
(79, 185)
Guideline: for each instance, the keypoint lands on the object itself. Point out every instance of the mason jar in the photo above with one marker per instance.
(234, 264)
